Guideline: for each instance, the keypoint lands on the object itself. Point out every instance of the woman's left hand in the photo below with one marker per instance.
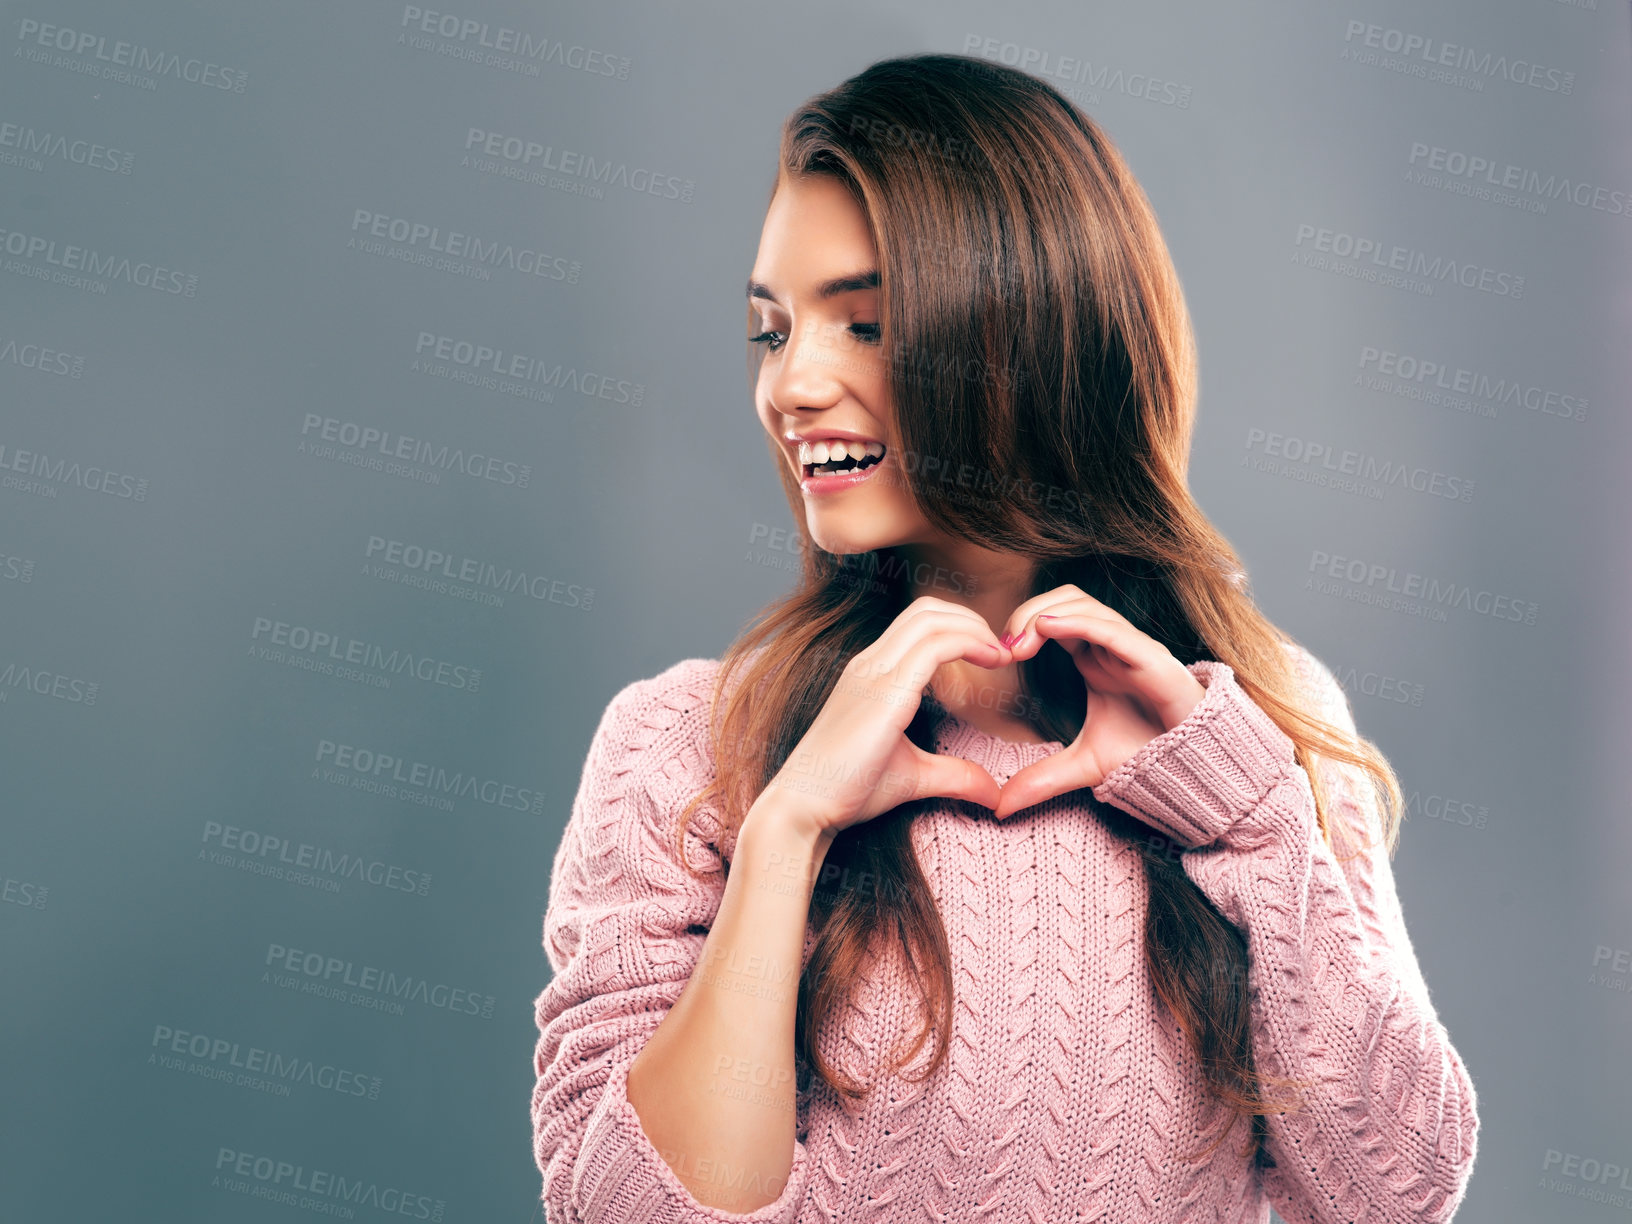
(1136, 691)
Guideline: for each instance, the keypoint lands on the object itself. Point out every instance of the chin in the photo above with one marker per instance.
(846, 545)
(840, 548)
(856, 529)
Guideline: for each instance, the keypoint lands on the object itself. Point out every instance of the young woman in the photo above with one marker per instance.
(1014, 867)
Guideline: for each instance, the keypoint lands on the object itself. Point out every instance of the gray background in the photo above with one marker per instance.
(174, 497)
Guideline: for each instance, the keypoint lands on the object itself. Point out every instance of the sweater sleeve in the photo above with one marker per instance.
(1388, 1127)
(623, 930)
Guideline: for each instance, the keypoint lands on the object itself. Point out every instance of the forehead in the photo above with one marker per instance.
(814, 230)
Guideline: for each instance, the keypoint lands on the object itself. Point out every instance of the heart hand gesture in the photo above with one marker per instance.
(855, 761)
(1136, 691)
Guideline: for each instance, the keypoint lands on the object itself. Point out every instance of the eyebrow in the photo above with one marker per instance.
(827, 289)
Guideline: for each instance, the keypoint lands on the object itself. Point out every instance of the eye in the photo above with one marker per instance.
(773, 340)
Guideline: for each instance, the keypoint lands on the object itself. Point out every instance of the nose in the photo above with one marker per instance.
(806, 377)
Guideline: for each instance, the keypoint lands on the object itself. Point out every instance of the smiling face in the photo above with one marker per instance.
(823, 391)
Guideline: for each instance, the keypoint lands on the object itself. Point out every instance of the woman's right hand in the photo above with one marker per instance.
(856, 762)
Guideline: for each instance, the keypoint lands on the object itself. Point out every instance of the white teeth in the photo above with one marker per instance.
(823, 452)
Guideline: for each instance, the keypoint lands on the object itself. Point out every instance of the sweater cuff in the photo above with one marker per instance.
(1196, 779)
(622, 1176)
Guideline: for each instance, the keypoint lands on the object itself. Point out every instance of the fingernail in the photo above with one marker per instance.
(1050, 617)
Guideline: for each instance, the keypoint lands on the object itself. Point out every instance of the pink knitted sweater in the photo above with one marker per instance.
(1069, 1092)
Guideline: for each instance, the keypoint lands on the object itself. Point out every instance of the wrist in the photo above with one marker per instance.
(778, 818)
(776, 852)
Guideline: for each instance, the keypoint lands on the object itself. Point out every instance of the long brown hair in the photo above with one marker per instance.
(1038, 347)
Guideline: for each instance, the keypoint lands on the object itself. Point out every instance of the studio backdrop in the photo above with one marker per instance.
(372, 409)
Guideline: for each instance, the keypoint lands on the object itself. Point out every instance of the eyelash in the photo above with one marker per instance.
(868, 333)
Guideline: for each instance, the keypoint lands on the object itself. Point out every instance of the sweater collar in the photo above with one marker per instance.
(950, 736)
(1001, 758)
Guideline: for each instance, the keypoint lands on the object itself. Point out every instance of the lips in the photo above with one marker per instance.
(824, 481)
(836, 456)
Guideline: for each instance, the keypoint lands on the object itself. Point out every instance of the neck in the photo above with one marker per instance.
(992, 585)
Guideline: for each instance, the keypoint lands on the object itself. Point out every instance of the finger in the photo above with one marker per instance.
(1021, 616)
(902, 686)
(1042, 780)
(928, 605)
(1116, 635)
(1027, 641)
(918, 667)
(1062, 600)
(925, 604)
(904, 638)
(909, 624)
(954, 777)
(922, 661)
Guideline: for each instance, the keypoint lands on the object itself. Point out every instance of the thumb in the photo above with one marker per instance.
(954, 777)
(1053, 775)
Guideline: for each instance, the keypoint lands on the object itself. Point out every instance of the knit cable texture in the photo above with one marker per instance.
(1069, 1092)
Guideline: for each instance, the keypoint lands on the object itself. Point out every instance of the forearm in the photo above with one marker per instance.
(1388, 1124)
(1389, 1118)
(714, 1086)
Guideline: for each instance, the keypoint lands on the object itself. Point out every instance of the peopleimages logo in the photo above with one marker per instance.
(276, 641)
(44, 474)
(448, 571)
(1405, 590)
(27, 893)
(70, 259)
(489, 366)
(515, 157)
(1598, 1181)
(1435, 381)
(1075, 70)
(1611, 969)
(1375, 260)
(1422, 56)
(383, 450)
(44, 682)
(334, 975)
(252, 1066)
(366, 767)
(319, 1190)
(303, 863)
(126, 62)
(16, 569)
(1491, 179)
(487, 254)
(34, 148)
(491, 44)
(28, 355)
(1364, 468)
